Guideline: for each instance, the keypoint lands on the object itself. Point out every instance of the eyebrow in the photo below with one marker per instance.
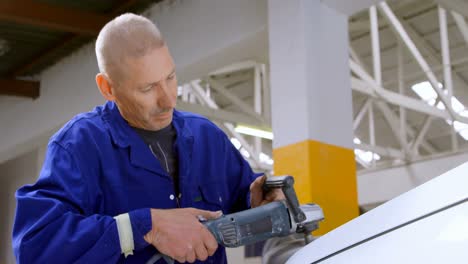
(154, 83)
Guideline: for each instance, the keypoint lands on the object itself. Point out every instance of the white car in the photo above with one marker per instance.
(428, 224)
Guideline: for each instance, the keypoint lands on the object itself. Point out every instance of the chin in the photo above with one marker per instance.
(161, 124)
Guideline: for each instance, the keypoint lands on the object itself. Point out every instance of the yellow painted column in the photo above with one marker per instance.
(325, 175)
(312, 106)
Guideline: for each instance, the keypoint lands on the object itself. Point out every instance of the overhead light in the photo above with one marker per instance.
(245, 153)
(366, 156)
(427, 93)
(254, 132)
(4, 48)
(236, 143)
(356, 140)
(180, 90)
(265, 158)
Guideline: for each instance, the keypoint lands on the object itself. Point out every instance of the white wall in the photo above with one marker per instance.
(4, 216)
(14, 174)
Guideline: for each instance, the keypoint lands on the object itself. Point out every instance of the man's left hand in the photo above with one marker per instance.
(258, 197)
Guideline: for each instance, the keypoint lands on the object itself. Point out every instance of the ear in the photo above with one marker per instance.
(105, 87)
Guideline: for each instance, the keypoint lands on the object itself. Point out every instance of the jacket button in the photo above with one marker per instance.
(171, 197)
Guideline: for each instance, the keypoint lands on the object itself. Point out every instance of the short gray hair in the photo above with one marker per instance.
(126, 36)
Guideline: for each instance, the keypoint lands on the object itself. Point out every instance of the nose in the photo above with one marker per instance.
(165, 96)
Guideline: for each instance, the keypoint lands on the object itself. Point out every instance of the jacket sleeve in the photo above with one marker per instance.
(54, 223)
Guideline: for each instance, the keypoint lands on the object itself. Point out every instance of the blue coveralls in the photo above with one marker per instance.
(97, 167)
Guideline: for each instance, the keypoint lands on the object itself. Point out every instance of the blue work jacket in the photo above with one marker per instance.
(97, 167)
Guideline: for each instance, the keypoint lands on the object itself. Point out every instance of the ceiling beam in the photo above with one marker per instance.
(350, 7)
(401, 32)
(360, 86)
(382, 151)
(242, 105)
(20, 88)
(23, 69)
(407, 102)
(383, 106)
(53, 17)
(426, 48)
(220, 115)
(461, 24)
(457, 67)
(196, 88)
(360, 25)
(458, 6)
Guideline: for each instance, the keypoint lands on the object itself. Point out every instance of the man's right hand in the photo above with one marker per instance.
(179, 234)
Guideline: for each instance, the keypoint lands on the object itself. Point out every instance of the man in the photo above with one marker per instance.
(130, 180)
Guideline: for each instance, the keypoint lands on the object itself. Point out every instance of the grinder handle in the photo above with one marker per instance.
(286, 184)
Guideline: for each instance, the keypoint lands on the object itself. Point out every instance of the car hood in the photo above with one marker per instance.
(445, 190)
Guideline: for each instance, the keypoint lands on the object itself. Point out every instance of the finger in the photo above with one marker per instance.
(256, 192)
(270, 196)
(209, 241)
(275, 195)
(262, 179)
(201, 252)
(190, 255)
(206, 214)
(256, 197)
(258, 182)
(150, 237)
(180, 259)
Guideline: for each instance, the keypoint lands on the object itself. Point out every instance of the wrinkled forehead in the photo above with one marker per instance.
(156, 65)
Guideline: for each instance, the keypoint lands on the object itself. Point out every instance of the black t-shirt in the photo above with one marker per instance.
(161, 144)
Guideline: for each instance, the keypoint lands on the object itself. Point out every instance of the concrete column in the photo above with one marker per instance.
(312, 105)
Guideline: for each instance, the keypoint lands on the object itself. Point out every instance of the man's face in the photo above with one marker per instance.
(147, 96)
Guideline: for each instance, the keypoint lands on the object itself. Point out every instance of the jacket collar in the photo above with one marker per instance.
(117, 127)
(140, 155)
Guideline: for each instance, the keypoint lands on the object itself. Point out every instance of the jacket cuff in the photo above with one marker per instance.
(141, 224)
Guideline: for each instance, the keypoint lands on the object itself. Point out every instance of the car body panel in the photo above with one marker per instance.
(397, 225)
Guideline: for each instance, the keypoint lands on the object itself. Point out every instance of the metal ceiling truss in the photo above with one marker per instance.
(196, 97)
(410, 140)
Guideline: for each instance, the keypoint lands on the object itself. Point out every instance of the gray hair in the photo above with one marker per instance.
(126, 36)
